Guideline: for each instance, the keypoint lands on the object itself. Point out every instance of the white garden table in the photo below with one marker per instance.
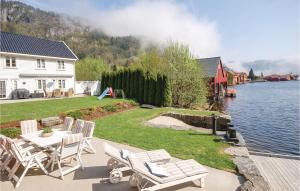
(44, 142)
(51, 143)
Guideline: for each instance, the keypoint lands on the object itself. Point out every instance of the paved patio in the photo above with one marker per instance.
(94, 177)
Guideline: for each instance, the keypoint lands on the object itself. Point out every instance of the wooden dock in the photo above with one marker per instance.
(281, 173)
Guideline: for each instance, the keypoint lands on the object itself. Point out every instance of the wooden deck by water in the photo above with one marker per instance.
(281, 173)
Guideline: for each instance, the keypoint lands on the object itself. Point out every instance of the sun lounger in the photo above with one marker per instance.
(157, 156)
(178, 173)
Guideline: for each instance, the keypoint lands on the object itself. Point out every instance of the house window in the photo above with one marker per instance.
(61, 84)
(43, 63)
(15, 84)
(10, 62)
(61, 65)
(40, 64)
(41, 84)
(13, 62)
(7, 61)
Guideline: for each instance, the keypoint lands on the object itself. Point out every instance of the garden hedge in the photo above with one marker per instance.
(144, 87)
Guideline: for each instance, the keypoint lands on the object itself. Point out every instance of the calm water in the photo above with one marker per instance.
(267, 115)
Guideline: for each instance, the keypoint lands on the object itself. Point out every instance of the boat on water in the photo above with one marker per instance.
(230, 93)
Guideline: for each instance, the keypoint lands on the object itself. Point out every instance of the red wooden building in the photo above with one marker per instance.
(216, 75)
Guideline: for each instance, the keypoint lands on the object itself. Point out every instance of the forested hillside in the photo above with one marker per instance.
(17, 17)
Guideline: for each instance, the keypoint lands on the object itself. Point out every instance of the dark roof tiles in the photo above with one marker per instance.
(16, 43)
(209, 65)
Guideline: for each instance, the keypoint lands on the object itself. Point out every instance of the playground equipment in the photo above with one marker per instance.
(108, 91)
(119, 93)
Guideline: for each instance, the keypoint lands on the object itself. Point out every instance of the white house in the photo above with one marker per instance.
(34, 64)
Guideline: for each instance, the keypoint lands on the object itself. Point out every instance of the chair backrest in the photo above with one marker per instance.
(15, 150)
(77, 128)
(70, 144)
(88, 129)
(28, 126)
(3, 142)
(68, 122)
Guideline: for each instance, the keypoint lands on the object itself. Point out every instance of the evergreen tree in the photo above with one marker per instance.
(128, 83)
(141, 80)
(124, 80)
(251, 74)
(166, 93)
(146, 88)
(158, 92)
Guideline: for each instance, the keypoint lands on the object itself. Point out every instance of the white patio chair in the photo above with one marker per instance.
(6, 155)
(87, 132)
(28, 126)
(27, 159)
(77, 128)
(178, 173)
(70, 148)
(68, 122)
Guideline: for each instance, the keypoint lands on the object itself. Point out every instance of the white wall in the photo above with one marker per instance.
(28, 65)
(90, 86)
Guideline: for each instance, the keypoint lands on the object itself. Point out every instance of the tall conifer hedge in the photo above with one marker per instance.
(143, 87)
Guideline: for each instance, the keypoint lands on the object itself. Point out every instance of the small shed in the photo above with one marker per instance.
(215, 73)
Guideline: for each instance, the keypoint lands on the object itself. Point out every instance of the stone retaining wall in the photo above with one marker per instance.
(202, 121)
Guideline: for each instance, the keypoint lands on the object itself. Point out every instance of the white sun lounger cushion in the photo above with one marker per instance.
(124, 154)
(174, 173)
(114, 152)
(156, 170)
(143, 156)
(191, 167)
(159, 156)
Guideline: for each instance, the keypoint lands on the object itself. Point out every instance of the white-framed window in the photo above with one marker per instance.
(15, 84)
(61, 83)
(60, 65)
(41, 84)
(10, 62)
(40, 64)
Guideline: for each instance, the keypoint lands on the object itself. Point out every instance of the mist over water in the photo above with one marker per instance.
(267, 115)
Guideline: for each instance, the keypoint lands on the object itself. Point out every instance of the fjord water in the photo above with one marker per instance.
(267, 116)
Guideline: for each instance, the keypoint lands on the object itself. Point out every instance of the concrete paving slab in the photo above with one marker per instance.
(95, 175)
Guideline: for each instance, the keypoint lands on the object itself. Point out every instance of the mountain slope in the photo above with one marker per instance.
(17, 17)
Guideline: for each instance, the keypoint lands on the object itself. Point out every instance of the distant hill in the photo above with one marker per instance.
(17, 17)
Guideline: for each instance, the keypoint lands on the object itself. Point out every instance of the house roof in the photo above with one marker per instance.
(209, 65)
(16, 43)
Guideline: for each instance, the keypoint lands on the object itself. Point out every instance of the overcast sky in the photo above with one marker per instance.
(245, 33)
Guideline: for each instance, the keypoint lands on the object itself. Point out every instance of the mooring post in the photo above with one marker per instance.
(214, 123)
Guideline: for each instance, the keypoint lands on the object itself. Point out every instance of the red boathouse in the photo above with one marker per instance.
(216, 75)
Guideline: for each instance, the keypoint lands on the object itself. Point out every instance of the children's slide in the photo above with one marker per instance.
(104, 93)
(107, 91)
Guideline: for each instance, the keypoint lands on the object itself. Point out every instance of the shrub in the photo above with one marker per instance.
(76, 114)
(110, 108)
(12, 132)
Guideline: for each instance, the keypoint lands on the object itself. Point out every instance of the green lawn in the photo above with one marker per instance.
(128, 128)
(40, 109)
